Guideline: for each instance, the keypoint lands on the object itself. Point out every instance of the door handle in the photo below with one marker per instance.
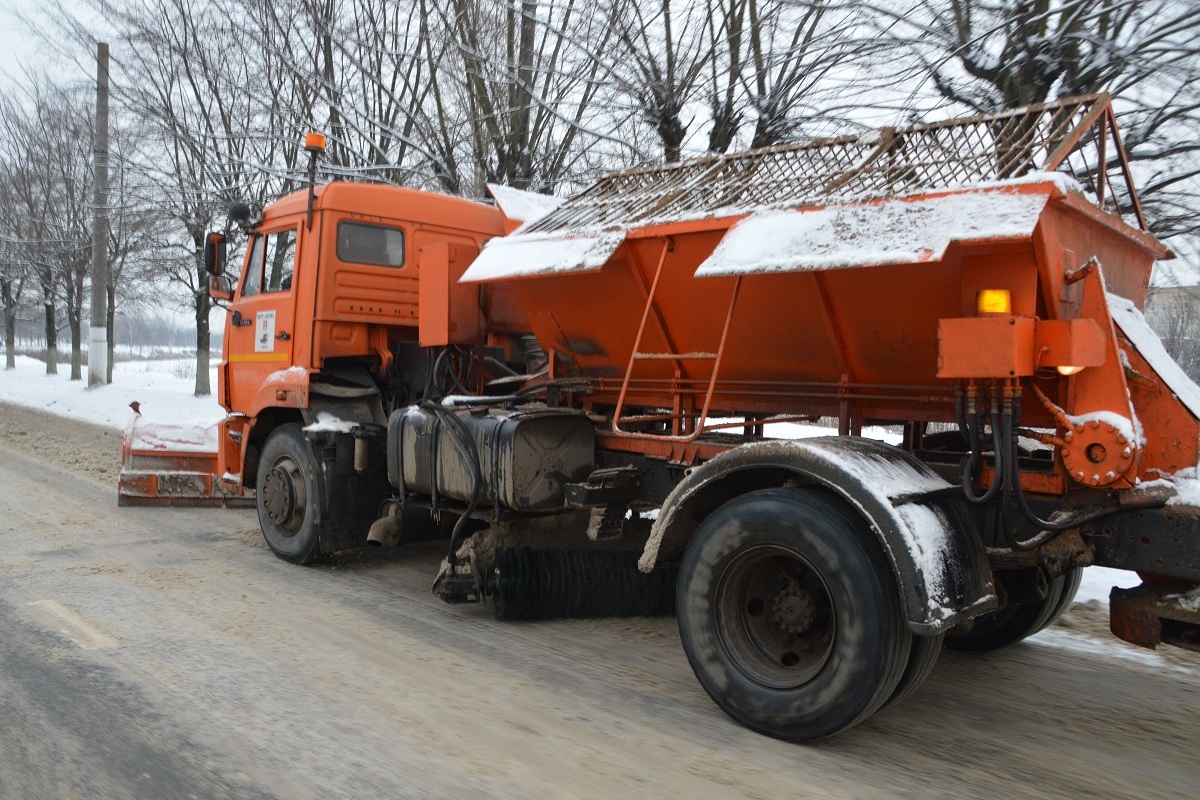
(239, 321)
(283, 335)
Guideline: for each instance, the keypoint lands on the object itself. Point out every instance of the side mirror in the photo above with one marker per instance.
(214, 254)
(219, 288)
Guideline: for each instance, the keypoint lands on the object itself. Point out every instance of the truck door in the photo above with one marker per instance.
(262, 315)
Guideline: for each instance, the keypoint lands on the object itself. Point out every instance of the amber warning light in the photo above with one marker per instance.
(314, 143)
(993, 301)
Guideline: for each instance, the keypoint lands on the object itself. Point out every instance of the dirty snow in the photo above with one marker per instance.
(180, 438)
(929, 534)
(926, 532)
(330, 423)
(1188, 601)
(523, 255)
(289, 375)
(1131, 322)
(1063, 182)
(526, 207)
(867, 234)
(1187, 489)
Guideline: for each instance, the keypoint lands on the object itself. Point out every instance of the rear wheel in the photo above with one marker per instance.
(289, 496)
(790, 615)
(921, 659)
(1019, 621)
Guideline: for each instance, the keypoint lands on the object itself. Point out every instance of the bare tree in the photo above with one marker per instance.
(1011, 52)
(183, 69)
(12, 281)
(660, 52)
(49, 174)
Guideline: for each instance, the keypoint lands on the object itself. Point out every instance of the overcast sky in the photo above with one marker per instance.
(12, 39)
(18, 46)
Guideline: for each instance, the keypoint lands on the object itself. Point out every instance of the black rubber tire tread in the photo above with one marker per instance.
(1017, 622)
(921, 660)
(1071, 582)
(303, 546)
(869, 650)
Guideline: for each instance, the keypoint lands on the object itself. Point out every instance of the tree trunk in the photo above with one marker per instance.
(73, 322)
(10, 323)
(203, 343)
(726, 121)
(110, 323)
(10, 336)
(51, 335)
(672, 131)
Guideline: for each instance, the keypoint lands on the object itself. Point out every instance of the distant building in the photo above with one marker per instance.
(1174, 314)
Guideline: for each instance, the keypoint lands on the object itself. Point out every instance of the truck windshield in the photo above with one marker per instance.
(370, 244)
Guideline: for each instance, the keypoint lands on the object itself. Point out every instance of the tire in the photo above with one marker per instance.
(1019, 621)
(289, 496)
(921, 659)
(790, 615)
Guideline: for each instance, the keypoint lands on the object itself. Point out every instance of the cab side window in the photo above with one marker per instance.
(280, 261)
(252, 267)
(270, 263)
(359, 243)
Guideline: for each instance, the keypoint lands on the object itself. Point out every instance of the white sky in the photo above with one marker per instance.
(12, 43)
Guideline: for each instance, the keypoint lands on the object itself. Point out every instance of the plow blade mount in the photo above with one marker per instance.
(165, 464)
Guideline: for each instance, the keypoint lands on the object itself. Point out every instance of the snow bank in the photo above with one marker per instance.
(165, 397)
(867, 234)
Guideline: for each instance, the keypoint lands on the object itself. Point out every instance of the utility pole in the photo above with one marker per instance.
(98, 330)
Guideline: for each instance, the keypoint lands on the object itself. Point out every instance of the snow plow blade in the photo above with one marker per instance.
(176, 465)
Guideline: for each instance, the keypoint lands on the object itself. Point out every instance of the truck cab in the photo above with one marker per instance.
(328, 298)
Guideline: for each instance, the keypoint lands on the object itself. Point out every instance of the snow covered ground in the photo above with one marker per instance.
(163, 388)
(165, 391)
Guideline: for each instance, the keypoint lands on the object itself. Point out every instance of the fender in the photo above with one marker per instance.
(937, 556)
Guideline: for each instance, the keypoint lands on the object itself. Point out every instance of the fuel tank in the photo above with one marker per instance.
(524, 458)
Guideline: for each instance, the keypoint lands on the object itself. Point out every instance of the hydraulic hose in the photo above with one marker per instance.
(1048, 529)
(975, 462)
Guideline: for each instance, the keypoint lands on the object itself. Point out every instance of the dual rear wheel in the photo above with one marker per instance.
(790, 616)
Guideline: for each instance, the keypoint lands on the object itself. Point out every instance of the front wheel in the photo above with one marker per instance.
(790, 616)
(289, 496)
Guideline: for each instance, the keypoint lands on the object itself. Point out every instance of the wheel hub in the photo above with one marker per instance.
(794, 610)
(775, 617)
(283, 497)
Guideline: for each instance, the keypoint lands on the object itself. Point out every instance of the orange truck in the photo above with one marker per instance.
(589, 398)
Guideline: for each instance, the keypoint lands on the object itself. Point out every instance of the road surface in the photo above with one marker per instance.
(166, 653)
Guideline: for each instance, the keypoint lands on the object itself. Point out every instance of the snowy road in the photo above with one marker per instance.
(166, 653)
